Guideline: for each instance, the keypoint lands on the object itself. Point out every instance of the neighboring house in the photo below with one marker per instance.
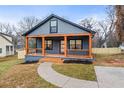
(6, 45)
(58, 37)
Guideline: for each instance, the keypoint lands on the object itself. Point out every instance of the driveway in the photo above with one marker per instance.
(110, 77)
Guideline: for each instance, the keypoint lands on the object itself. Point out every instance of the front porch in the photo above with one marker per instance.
(65, 46)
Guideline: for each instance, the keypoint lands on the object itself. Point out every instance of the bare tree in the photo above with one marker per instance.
(92, 24)
(107, 27)
(27, 23)
(88, 23)
(6, 28)
(24, 25)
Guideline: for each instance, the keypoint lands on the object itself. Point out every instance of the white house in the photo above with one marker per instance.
(6, 45)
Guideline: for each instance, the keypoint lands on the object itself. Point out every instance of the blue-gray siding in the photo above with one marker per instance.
(63, 28)
(30, 58)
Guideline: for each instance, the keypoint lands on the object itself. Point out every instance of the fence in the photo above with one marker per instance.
(21, 53)
(106, 50)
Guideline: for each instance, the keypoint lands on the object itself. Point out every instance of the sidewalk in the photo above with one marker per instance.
(46, 72)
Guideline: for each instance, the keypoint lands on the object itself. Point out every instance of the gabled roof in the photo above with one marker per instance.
(5, 34)
(60, 18)
(2, 35)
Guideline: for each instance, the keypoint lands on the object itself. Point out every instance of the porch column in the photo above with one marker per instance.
(90, 45)
(65, 46)
(26, 45)
(43, 46)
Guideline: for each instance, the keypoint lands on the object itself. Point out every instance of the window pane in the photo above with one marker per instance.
(78, 44)
(53, 23)
(72, 44)
(72, 41)
(53, 29)
(11, 48)
(48, 44)
(78, 41)
(32, 43)
(7, 48)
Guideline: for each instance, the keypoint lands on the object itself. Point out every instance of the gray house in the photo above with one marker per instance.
(57, 37)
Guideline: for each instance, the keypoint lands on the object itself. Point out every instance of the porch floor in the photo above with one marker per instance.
(57, 58)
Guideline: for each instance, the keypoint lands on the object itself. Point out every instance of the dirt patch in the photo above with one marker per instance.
(110, 60)
(23, 75)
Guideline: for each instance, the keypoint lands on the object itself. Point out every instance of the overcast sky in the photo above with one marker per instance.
(12, 14)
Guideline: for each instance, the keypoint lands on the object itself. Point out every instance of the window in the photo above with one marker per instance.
(75, 44)
(7, 48)
(11, 48)
(32, 43)
(0, 50)
(49, 45)
(53, 26)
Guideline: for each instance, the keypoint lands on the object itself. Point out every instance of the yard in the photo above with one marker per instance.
(116, 60)
(79, 71)
(13, 73)
(86, 71)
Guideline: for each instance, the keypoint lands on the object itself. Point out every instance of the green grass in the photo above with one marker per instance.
(7, 62)
(79, 71)
(13, 73)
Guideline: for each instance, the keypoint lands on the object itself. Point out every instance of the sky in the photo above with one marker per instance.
(13, 14)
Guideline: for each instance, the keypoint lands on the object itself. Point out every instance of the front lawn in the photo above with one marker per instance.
(13, 73)
(7, 62)
(80, 71)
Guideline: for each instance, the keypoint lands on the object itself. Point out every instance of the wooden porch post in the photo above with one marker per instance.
(43, 46)
(26, 45)
(65, 46)
(90, 45)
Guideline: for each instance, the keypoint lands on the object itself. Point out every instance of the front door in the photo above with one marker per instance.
(62, 47)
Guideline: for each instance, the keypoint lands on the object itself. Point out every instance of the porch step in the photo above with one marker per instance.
(51, 59)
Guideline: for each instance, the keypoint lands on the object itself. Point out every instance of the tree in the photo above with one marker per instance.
(89, 23)
(92, 24)
(6, 28)
(108, 27)
(105, 29)
(27, 23)
(24, 25)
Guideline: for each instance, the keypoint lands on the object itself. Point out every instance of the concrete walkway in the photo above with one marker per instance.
(46, 72)
(110, 77)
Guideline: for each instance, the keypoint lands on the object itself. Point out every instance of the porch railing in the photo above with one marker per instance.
(72, 52)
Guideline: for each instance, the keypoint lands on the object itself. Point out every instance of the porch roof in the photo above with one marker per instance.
(61, 35)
